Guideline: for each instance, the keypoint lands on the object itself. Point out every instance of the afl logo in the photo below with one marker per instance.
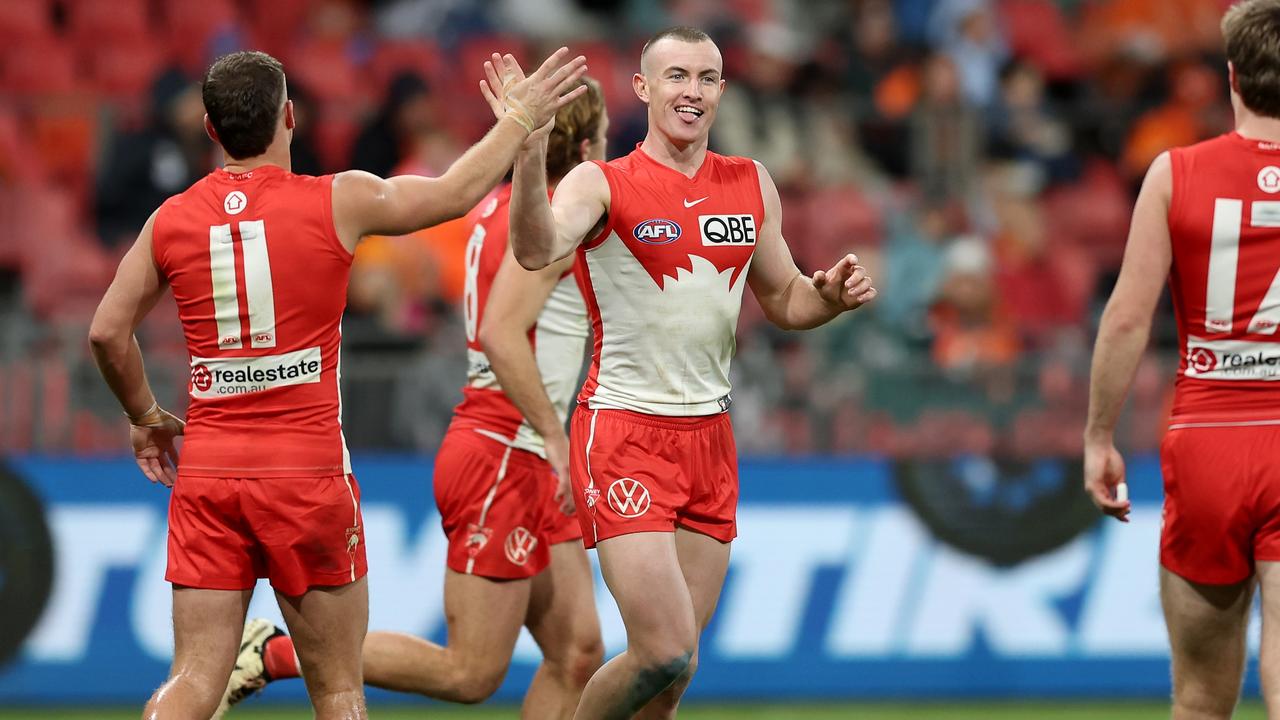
(1269, 179)
(1202, 360)
(658, 231)
(235, 202)
(201, 378)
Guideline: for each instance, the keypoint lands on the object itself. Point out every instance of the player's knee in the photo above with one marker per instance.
(658, 672)
(1206, 700)
(474, 686)
(584, 657)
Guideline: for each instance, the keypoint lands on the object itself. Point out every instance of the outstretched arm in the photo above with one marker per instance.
(542, 231)
(790, 299)
(365, 204)
(516, 298)
(1123, 333)
(134, 291)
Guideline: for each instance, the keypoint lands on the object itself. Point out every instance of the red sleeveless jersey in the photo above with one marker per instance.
(663, 283)
(1224, 226)
(558, 338)
(260, 279)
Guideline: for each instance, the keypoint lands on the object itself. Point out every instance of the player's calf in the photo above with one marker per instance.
(664, 706)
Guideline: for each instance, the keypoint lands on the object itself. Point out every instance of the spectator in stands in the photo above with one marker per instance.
(1022, 128)
(946, 134)
(408, 112)
(972, 333)
(146, 166)
(967, 32)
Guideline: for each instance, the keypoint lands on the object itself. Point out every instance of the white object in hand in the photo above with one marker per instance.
(1122, 492)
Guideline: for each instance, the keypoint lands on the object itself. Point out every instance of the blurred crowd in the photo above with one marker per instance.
(980, 156)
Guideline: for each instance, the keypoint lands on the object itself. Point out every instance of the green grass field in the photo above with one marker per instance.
(877, 711)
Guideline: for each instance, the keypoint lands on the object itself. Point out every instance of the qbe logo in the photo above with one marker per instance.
(727, 230)
(657, 231)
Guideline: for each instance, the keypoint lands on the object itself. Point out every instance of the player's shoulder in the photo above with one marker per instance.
(494, 205)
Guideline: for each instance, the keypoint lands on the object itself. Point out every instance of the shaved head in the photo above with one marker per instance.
(680, 33)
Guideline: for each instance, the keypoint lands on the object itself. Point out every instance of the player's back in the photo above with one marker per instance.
(1224, 226)
(260, 279)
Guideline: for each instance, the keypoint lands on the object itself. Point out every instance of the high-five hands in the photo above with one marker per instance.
(532, 101)
(846, 286)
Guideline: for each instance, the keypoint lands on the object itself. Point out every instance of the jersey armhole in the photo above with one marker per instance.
(158, 247)
(331, 228)
(1177, 172)
(600, 237)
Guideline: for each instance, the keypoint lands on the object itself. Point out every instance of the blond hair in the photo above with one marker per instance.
(579, 120)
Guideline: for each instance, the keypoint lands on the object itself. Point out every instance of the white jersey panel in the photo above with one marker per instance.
(560, 347)
(664, 350)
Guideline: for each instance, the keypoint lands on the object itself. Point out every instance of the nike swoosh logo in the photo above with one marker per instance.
(688, 204)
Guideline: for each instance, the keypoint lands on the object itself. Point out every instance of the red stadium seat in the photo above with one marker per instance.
(25, 19)
(124, 72)
(421, 57)
(191, 25)
(275, 24)
(93, 22)
(329, 73)
(38, 66)
(1039, 32)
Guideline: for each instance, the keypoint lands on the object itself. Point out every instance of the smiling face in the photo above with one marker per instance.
(681, 83)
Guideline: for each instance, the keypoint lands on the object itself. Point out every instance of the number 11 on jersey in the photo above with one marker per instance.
(257, 289)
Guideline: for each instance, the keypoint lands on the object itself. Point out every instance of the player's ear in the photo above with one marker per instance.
(1231, 78)
(208, 128)
(641, 87)
(289, 120)
(584, 150)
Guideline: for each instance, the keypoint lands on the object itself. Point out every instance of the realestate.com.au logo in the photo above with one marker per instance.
(214, 377)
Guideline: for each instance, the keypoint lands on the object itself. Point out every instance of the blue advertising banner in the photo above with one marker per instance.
(835, 590)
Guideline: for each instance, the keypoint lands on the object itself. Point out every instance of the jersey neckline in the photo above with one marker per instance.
(697, 175)
(268, 169)
(1267, 147)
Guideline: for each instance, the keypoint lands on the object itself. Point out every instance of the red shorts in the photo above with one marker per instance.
(1221, 501)
(497, 505)
(225, 533)
(647, 473)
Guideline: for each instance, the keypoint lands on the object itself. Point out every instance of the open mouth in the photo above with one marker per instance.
(688, 113)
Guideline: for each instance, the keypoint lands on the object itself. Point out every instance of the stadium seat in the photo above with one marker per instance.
(421, 57)
(124, 71)
(1038, 31)
(92, 22)
(38, 66)
(192, 26)
(275, 24)
(25, 19)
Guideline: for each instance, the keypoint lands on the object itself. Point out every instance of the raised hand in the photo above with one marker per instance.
(532, 101)
(153, 446)
(846, 285)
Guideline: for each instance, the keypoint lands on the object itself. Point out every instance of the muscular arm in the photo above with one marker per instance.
(516, 298)
(134, 291)
(1126, 322)
(365, 204)
(1122, 336)
(790, 299)
(543, 232)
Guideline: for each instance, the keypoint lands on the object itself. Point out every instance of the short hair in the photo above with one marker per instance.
(683, 33)
(243, 93)
(1251, 31)
(575, 122)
